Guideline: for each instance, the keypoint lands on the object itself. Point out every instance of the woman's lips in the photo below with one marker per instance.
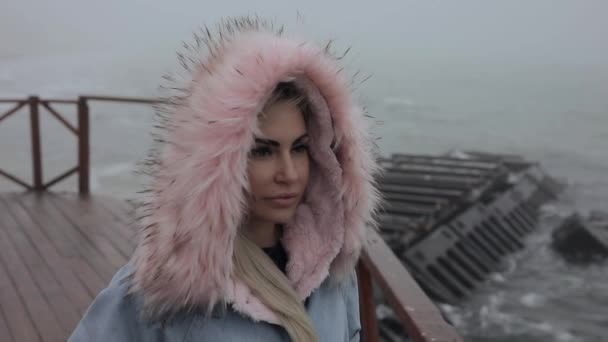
(283, 201)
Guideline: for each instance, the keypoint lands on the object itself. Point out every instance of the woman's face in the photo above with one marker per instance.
(278, 164)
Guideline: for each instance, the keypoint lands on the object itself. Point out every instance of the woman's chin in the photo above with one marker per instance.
(280, 216)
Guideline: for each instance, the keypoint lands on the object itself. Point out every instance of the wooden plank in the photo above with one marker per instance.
(5, 333)
(100, 221)
(38, 308)
(32, 217)
(55, 223)
(65, 311)
(124, 99)
(61, 101)
(57, 264)
(19, 322)
(122, 211)
(59, 117)
(90, 227)
(13, 100)
(15, 179)
(91, 280)
(20, 104)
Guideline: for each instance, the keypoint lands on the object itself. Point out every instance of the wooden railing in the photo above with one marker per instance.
(418, 314)
(420, 317)
(81, 131)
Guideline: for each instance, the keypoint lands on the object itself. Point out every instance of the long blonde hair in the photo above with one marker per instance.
(271, 286)
(259, 272)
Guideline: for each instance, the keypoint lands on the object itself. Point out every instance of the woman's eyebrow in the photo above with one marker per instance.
(276, 143)
(300, 138)
(267, 142)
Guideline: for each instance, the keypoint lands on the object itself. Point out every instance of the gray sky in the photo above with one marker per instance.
(510, 75)
(526, 32)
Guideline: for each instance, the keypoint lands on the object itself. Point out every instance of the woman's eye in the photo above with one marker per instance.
(261, 152)
(301, 148)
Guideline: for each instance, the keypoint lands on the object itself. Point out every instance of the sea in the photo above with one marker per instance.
(554, 114)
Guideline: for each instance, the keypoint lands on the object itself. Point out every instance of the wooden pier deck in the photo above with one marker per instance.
(57, 251)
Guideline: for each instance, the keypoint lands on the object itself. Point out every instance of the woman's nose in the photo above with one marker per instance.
(287, 171)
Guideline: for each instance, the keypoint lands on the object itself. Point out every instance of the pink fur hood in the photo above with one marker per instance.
(195, 202)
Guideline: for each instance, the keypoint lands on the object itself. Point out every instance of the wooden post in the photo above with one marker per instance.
(367, 307)
(36, 147)
(83, 146)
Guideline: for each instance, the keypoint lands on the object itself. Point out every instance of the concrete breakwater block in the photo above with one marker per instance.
(452, 219)
(582, 240)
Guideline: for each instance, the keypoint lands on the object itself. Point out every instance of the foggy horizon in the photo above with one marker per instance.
(476, 32)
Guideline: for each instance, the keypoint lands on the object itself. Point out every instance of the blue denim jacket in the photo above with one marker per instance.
(114, 316)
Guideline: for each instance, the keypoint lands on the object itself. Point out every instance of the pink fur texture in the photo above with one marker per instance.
(196, 201)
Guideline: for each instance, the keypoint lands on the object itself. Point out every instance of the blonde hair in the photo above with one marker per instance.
(271, 286)
(288, 92)
(259, 272)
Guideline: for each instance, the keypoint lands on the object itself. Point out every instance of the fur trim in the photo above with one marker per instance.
(190, 214)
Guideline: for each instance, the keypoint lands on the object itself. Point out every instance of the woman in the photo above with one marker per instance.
(260, 194)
